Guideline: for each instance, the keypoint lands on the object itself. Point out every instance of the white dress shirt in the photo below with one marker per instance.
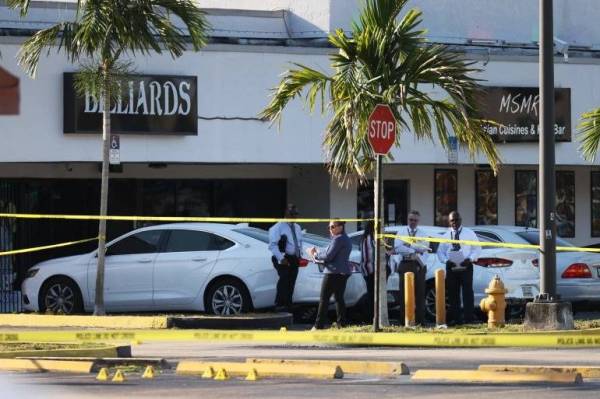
(469, 251)
(284, 228)
(404, 248)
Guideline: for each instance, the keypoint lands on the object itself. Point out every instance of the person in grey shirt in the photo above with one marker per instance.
(337, 270)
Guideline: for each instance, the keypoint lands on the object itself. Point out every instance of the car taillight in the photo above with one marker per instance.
(577, 270)
(493, 262)
(302, 262)
(535, 262)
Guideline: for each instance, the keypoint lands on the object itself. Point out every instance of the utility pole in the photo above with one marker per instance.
(547, 176)
(547, 312)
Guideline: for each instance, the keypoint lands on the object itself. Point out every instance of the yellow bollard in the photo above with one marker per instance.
(409, 299)
(440, 297)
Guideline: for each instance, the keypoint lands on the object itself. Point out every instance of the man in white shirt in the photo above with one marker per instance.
(285, 243)
(459, 260)
(413, 259)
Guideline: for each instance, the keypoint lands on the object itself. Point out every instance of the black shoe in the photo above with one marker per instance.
(280, 308)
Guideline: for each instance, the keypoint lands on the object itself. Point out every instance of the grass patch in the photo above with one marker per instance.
(38, 346)
(463, 329)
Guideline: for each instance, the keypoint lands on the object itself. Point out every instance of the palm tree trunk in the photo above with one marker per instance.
(99, 299)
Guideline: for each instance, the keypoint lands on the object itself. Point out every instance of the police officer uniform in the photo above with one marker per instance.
(459, 277)
(285, 243)
(413, 259)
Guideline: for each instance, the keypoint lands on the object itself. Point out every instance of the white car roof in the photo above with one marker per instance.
(216, 227)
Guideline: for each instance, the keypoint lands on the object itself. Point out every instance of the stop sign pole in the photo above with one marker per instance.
(381, 135)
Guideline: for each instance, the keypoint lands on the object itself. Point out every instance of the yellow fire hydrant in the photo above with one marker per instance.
(494, 304)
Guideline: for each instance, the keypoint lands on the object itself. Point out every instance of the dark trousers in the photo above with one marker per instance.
(455, 283)
(332, 284)
(370, 280)
(287, 280)
(419, 272)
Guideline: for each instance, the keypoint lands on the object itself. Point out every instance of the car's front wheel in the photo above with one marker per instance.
(227, 297)
(61, 295)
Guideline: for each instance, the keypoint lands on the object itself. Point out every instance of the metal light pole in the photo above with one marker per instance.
(378, 231)
(546, 312)
(547, 178)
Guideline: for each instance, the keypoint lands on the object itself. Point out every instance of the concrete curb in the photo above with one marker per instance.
(585, 371)
(110, 351)
(383, 369)
(251, 321)
(114, 361)
(39, 320)
(480, 376)
(264, 370)
(60, 366)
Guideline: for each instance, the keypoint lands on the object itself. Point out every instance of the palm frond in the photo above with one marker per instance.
(589, 134)
(387, 59)
(292, 84)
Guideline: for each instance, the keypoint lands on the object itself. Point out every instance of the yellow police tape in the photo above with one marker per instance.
(44, 247)
(554, 340)
(203, 219)
(486, 244)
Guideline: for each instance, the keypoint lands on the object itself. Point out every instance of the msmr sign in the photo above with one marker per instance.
(148, 104)
(516, 110)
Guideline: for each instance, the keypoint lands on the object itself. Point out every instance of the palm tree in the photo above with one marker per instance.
(101, 34)
(386, 59)
(589, 134)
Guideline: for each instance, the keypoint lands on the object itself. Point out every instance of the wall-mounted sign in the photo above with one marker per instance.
(149, 104)
(516, 110)
(114, 152)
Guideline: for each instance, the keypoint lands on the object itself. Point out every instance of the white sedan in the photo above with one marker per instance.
(217, 268)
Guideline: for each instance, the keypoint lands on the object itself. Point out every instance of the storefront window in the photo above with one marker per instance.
(526, 198)
(395, 198)
(446, 197)
(565, 203)
(486, 197)
(596, 204)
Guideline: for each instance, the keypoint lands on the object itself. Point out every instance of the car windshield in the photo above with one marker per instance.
(533, 237)
(257, 234)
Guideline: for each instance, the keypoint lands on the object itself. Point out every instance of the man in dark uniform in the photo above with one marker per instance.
(459, 258)
(285, 243)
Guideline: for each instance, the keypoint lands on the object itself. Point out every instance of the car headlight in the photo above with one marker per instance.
(32, 272)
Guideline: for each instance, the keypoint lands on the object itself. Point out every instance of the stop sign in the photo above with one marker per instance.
(382, 129)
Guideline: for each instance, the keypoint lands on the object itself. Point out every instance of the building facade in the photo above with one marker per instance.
(231, 163)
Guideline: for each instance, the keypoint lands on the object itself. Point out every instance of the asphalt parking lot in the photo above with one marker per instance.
(169, 384)
(53, 385)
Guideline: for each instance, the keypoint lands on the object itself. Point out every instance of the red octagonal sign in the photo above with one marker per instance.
(382, 129)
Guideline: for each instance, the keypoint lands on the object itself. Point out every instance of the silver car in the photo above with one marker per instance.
(577, 273)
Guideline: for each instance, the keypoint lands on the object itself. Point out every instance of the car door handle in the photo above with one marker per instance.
(144, 260)
(198, 259)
